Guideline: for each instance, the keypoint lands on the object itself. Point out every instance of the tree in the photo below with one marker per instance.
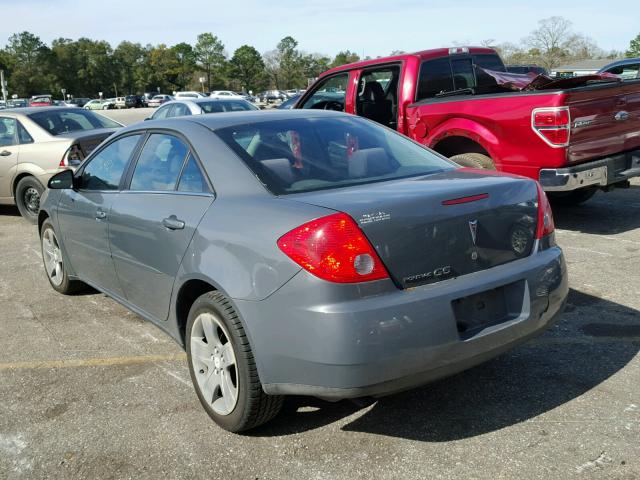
(550, 40)
(291, 63)
(30, 59)
(247, 66)
(271, 61)
(185, 64)
(634, 47)
(315, 64)
(128, 60)
(210, 56)
(344, 57)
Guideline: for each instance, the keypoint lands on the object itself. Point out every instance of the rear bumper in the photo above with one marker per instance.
(600, 173)
(349, 341)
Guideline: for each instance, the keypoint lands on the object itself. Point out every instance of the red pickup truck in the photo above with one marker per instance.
(575, 136)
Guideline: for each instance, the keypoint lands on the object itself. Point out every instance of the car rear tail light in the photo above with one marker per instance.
(333, 248)
(72, 157)
(552, 125)
(546, 226)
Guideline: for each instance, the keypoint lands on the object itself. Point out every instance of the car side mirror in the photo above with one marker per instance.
(63, 180)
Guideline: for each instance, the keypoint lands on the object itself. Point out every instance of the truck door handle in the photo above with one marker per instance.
(622, 116)
(172, 223)
(5, 153)
(101, 215)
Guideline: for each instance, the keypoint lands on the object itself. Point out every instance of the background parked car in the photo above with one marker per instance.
(78, 102)
(146, 98)
(289, 103)
(200, 106)
(37, 142)
(224, 94)
(158, 100)
(627, 69)
(272, 96)
(17, 103)
(189, 94)
(41, 101)
(94, 104)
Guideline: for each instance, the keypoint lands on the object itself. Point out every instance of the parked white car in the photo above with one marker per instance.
(224, 94)
(186, 95)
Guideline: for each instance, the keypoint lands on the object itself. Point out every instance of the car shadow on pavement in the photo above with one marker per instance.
(594, 339)
(9, 211)
(605, 214)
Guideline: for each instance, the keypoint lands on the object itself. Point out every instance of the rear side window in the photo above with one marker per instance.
(23, 135)
(180, 110)
(103, 172)
(192, 179)
(159, 164)
(163, 112)
(435, 77)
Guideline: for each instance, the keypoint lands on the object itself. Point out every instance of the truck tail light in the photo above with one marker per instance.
(333, 248)
(546, 225)
(72, 157)
(552, 124)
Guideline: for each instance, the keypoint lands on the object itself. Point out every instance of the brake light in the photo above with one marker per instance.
(72, 157)
(552, 125)
(546, 225)
(333, 248)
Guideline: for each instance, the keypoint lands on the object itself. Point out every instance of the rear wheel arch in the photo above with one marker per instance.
(42, 216)
(17, 179)
(188, 293)
(456, 145)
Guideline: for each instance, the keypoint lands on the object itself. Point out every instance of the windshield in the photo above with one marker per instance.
(58, 122)
(226, 106)
(306, 154)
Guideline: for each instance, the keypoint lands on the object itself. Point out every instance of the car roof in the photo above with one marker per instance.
(29, 110)
(625, 61)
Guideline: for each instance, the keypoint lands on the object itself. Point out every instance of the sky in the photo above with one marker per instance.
(322, 26)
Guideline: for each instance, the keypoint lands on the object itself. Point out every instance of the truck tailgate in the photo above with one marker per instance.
(605, 120)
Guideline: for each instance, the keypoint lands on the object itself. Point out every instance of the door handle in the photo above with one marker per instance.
(5, 153)
(172, 223)
(101, 215)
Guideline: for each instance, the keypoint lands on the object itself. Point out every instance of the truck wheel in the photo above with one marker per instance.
(474, 160)
(223, 369)
(28, 193)
(575, 197)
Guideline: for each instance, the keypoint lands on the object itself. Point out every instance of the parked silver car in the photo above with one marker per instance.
(200, 106)
(37, 142)
(305, 252)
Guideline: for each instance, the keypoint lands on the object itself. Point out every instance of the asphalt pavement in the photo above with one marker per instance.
(90, 390)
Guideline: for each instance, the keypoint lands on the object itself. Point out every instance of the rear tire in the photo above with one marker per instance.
(474, 160)
(27, 197)
(575, 197)
(222, 367)
(54, 262)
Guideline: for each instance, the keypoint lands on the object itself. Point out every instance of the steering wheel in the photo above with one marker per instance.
(333, 105)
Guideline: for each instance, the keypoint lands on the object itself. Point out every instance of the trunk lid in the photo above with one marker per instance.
(425, 232)
(605, 120)
(88, 140)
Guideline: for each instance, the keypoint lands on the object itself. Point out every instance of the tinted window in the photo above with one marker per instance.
(626, 72)
(192, 179)
(23, 135)
(104, 170)
(7, 132)
(159, 163)
(307, 154)
(58, 122)
(490, 62)
(435, 77)
(218, 106)
(463, 76)
(330, 94)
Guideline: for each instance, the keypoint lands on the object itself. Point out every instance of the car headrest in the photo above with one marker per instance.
(373, 92)
(369, 161)
(3, 128)
(281, 168)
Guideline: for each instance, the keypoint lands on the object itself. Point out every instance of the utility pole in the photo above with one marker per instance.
(3, 87)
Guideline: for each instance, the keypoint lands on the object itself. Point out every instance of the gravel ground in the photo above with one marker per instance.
(89, 390)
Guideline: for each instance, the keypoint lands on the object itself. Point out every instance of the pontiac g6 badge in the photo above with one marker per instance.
(473, 228)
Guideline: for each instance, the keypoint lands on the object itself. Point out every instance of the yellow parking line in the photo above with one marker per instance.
(91, 362)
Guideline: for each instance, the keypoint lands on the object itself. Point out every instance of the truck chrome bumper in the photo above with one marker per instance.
(600, 173)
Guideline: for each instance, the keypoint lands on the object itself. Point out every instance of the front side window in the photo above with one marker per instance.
(105, 169)
(625, 72)
(307, 154)
(159, 163)
(330, 94)
(7, 131)
(58, 122)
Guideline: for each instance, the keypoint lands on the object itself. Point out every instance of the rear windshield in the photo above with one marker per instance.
(58, 122)
(306, 154)
(217, 106)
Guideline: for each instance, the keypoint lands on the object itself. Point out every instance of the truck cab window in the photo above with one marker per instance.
(330, 94)
(435, 77)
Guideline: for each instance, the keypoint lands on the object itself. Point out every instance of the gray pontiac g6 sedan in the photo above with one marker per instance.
(304, 253)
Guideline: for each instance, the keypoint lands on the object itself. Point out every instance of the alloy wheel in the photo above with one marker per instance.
(52, 257)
